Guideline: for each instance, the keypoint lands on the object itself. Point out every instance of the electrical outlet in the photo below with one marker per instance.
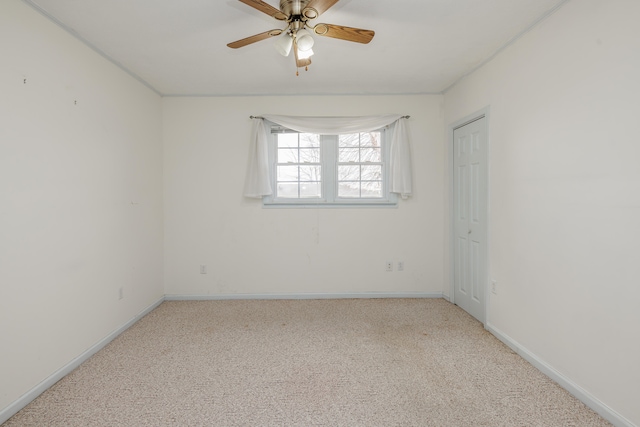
(203, 269)
(494, 287)
(400, 265)
(389, 266)
(121, 293)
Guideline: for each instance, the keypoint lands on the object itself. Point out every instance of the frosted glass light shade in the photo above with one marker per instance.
(304, 40)
(283, 44)
(304, 54)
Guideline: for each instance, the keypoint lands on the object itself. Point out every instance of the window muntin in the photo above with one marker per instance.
(329, 170)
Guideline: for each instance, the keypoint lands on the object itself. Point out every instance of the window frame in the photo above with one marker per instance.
(329, 156)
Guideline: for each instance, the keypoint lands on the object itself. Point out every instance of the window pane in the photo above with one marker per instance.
(308, 140)
(310, 155)
(347, 155)
(310, 190)
(348, 173)
(310, 173)
(370, 155)
(349, 140)
(372, 173)
(370, 139)
(287, 173)
(349, 189)
(288, 190)
(287, 140)
(287, 155)
(372, 189)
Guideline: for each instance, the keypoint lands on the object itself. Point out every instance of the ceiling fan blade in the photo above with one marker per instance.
(320, 6)
(266, 8)
(357, 35)
(253, 39)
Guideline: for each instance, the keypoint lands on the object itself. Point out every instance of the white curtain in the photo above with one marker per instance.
(400, 161)
(333, 125)
(258, 183)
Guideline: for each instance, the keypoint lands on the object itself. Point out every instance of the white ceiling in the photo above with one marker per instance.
(178, 47)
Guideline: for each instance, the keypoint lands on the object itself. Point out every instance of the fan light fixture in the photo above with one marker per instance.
(283, 44)
(297, 33)
(305, 54)
(304, 40)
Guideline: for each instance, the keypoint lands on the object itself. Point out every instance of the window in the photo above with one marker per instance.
(329, 170)
(298, 167)
(360, 167)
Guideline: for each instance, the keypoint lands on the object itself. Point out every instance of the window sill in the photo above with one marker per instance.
(386, 204)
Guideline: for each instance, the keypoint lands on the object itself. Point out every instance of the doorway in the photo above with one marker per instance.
(469, 216)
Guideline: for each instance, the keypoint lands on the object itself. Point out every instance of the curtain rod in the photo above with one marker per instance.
(258, 117)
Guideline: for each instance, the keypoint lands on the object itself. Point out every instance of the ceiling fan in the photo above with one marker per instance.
(296, 35)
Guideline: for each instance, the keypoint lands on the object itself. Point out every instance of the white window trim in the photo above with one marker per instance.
(329, 162)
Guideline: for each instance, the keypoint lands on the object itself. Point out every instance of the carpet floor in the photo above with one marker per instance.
(361, 362)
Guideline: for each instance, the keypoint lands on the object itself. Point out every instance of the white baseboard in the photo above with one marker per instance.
(581, 394)
(29, 396)
(174, 297)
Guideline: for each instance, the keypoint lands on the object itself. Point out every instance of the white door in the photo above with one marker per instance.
(470, 217)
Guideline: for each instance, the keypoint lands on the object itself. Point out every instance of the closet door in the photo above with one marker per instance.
(470, 217)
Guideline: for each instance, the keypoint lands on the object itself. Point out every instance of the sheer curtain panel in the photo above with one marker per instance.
(258, 181)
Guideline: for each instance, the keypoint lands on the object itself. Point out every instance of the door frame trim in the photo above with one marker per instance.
(477, 115)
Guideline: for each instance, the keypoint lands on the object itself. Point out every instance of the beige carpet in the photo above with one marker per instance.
(380, 362)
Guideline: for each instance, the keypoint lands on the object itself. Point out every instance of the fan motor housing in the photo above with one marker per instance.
(296, 8)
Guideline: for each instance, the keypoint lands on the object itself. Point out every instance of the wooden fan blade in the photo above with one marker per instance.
(303, 62)
(266, 8)
(253, 39)
(357, 35)
(299, 61)
(321, 6)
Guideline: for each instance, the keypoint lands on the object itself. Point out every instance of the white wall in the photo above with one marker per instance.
(565, 194)
(79, 142)
(251, 250)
